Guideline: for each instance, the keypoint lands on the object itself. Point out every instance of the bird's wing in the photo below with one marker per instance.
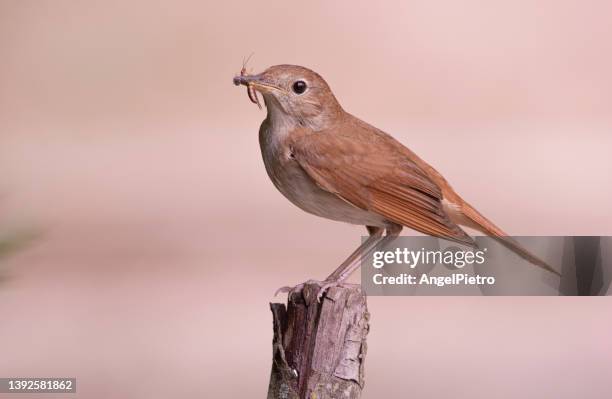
(364, 168)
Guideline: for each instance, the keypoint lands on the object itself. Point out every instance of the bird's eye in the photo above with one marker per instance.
(299, 87)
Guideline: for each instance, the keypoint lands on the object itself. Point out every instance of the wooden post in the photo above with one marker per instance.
(319, 348)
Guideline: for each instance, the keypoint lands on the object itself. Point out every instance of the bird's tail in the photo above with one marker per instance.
(484, 225)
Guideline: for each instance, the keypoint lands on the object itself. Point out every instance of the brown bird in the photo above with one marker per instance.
(332, 164)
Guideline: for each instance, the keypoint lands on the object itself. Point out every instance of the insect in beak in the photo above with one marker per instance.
(250, 90)
(253, 95)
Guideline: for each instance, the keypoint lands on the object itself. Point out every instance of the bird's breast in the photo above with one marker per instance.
(299, 188)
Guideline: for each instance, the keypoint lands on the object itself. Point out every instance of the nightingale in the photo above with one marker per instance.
(331, 164)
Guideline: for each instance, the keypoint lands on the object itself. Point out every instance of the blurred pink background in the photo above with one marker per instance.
(125, 147)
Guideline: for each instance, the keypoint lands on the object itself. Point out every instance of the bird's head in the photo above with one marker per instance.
(294, 95)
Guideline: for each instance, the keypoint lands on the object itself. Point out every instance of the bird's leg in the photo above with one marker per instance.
(366, 247)
(353, 262)
(348, 266)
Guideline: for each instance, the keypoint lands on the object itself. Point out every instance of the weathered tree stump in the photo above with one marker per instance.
(319, 348)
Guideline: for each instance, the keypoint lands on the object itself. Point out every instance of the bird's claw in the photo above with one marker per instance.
(286, 289)
(324, 286)
(327, 284)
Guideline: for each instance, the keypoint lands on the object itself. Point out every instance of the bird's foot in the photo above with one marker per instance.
(286, 289)
(327, 284)
(324, 286)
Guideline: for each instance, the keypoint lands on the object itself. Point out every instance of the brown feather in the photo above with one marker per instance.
(362, 166)
(484, 225)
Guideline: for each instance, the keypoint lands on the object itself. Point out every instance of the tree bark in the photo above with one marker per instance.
(319, 348)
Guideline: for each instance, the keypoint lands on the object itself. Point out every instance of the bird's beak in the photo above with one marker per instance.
(258, 82)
